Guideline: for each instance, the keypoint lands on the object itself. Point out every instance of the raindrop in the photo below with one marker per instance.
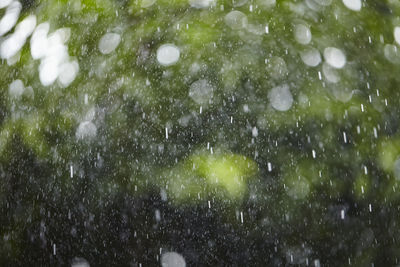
(167, 54)
(163, 195)
(254, 132)
(311, 57)
(269, 166)
(26, 27)
(201, 91)
(147, 3)
(86, 130)
(5, 3)
(375, 132)
(109, 42)
(16, 89)
(10, 18)
(80, 262)
(302, 34)
(335, 57)
(236, 20)
(266, 3)
(281, 98)
(53, 53)
(172, 259)
(330, 73)
(238, 3)
(39, 42)
(201, 3)
(396, 169)
(396, 34)
(13, 44)
(68, 72)
(157, 215)
(354, 5)
(48, 71)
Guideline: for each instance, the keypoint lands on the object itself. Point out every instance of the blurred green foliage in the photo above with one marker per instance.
(231, 181)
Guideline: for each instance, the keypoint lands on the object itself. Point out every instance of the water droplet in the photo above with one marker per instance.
(109, 42)
(86, 130)
(5, 3)
(302, 34)
(39, 42)
(147, 3)
(201, 3)
(13, 44)
(238, 3)
(354, 5)
(335, 57)
(396, 169)
(168, 54)
(254, 132)
(172, 259)
(281, 98)
(311, 57)
(48, 71)
(201, 91)
(79, 262)
(266, 3)
(16, 89)
(157, 215)
(396, 33)
(10, 18)
(68, 72)
(236, 20)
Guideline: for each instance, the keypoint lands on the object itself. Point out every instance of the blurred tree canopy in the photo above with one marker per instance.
(233, 132)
